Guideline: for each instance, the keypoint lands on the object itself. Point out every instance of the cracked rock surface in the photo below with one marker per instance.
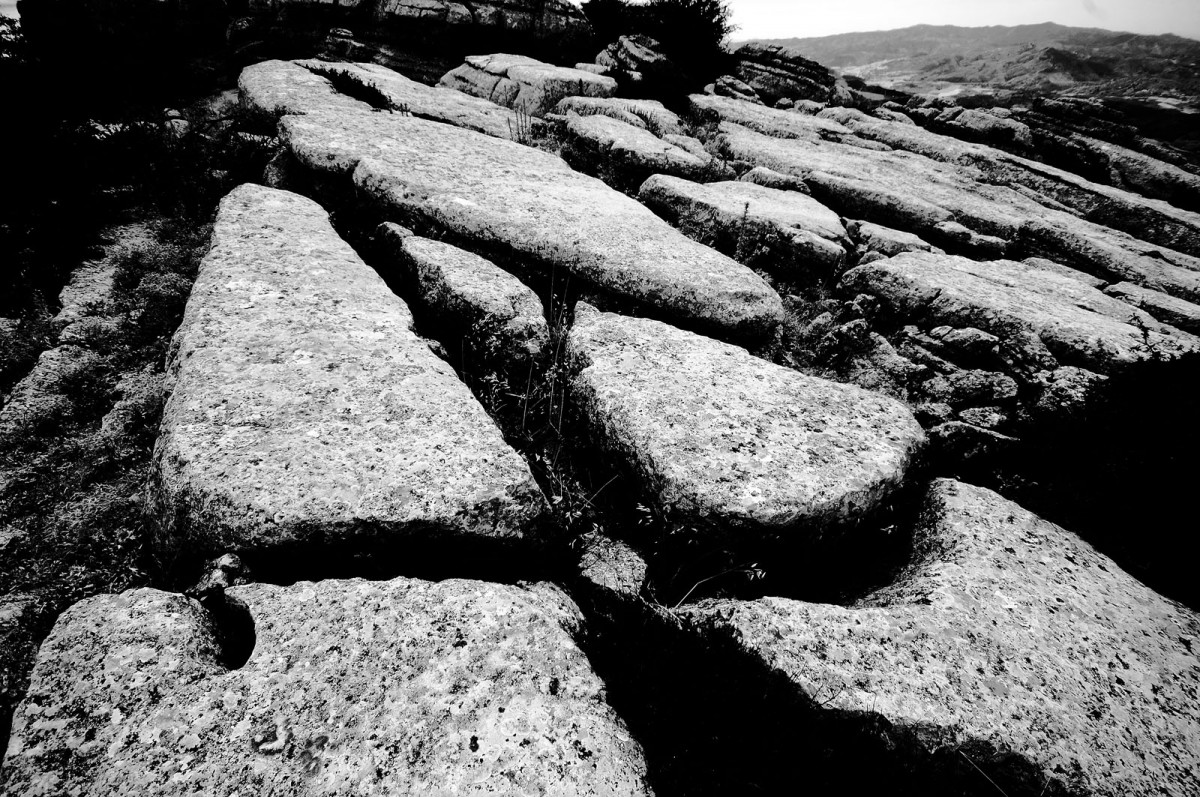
(1004, 634)
(527, 205)
(402, 687)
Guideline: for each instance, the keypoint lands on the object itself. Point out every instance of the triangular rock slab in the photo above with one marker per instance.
(1033, 311)
(720, 437)
(1004, 633)
(525, 206)
(304, 411)
(401, 687)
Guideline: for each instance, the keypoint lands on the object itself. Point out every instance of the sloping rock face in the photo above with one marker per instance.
(785, 232)
(1041, 318)
(491, 308)
(304, 412)
(722, 438)
(400, 687)
(1168, 309)
(521, 205)
(776, 73)
(517, 81)
(1006, 638)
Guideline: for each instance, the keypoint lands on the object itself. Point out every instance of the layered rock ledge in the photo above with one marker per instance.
(305, 413)
(719, 437)
(1007, 641)
(399, 687)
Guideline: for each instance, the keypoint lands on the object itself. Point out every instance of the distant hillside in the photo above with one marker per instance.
(1045, 57)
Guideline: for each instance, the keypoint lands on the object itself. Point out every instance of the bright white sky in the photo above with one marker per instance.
(781, 19)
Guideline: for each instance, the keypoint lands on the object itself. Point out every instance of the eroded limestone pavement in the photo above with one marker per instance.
(944, 304)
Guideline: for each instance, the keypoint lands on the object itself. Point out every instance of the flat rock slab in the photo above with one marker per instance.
(283, 87)
(601, 144)
(517, 81)
(305, 412)
(788, 233)
(430, 102)
(521, 205)
(401, 687)
(1005, 634)
(720, 437)
(1042, 318)
(487, 304)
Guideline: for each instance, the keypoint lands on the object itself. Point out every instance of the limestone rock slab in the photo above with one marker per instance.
(1006, 636)
(649, 114)
(720, 437)
(1040, 316)
(283, 87)
(788, 233)
(1165, 308)
(401, 687)
(305, 412)
(476, 296)
(601, 144)
(516, 203)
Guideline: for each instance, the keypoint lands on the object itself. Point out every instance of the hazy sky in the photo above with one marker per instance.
(778, 19)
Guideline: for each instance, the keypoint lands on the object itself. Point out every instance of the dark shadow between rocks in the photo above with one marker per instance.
(234, 626)
(715, 723)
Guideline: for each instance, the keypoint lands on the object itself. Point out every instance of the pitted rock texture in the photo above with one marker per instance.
(517, 81)
(304, 411)
(489, 306)
(886, 241)
(1008, 637)
(717, 436)
(402, 687)
(950, 201)
(1043, 319)
(428, 102)
(785, 232)
(627, 154)
(519, 204)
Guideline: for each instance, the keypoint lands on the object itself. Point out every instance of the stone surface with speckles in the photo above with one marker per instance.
(401, 687)
(305, 412)
(495, 310)
(515, 203)
(1004, 634)
(281, 87)
(718, 436)
(1041, 317)
(786, 232)
(626, 154)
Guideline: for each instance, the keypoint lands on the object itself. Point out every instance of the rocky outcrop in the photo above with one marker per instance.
(720, 438)
(776, 73)
(520, 82)
(304, 412)
(885, 241)
(523, 206)
(399, 687)
(494, 312)
(1005, 639)
(639, 58)
(1168, 309)
(945, 200)
(1042, 319)
(787, 233)
(647, 114)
